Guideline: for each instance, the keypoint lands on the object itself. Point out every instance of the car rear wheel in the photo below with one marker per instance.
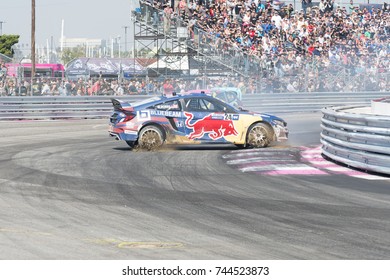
(150, 137)
(259, 136)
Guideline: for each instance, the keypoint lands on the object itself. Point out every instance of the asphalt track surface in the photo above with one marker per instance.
(68, 191)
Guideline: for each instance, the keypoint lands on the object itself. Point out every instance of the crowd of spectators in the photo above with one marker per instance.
(66, 87)
(111, 86)
(322, 47)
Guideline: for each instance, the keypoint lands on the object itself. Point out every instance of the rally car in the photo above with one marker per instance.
(192, 118)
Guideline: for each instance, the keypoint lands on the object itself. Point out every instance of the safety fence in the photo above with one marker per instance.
(62, 107)
(356, 138)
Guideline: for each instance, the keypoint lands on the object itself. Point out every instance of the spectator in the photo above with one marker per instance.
(3, 91)
(68, 88)
(168, 88)
(45, 88)
(3, 71)
(168, 11)
(132, 88)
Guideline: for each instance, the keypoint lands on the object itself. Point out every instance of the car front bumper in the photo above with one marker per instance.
(281, 133)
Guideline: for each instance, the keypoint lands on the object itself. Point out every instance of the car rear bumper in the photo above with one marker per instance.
(115, 135)
(122, 134)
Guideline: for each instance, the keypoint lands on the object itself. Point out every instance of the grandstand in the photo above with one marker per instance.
(196, 47)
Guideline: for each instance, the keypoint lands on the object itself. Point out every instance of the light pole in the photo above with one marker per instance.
(32, 43)
(1, 27)
(119, 46)
(125, 27)
(20, 75)
(112, 47)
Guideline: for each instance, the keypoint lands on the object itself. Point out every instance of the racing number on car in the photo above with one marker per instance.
(231, 117)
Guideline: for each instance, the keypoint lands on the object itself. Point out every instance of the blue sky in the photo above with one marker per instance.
(94, 19)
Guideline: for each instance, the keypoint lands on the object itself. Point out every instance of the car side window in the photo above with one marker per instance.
(191, 104)
(220, 95)
(172, 105)
(230, 96)
(202, 105)
(205, 105)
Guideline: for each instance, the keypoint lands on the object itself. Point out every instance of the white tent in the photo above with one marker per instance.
(179, 62)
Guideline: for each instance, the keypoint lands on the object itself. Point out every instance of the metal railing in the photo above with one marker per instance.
(57, 107)
(356, 139)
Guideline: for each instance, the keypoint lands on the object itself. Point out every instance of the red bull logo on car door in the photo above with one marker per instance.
(215, 125)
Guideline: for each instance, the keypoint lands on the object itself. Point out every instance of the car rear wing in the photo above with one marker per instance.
(120, 105)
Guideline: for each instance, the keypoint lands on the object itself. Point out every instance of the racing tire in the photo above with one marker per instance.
(150, 138)
(259, 135)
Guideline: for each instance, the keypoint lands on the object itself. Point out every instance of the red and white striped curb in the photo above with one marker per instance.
(291, 161)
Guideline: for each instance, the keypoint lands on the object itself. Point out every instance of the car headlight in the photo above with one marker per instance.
(280, 123)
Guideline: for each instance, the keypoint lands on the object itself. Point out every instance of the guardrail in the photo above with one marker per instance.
(307, 102)
(56, 107)
(356, 138)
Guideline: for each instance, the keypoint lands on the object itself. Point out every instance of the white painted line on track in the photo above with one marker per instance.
(277, 167)
(258, 159)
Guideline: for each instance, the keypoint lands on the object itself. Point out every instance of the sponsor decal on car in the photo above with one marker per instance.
(143, 115)
(215, 127)
(218, 116)
(174, 114)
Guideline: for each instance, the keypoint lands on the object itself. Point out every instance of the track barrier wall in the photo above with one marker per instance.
(354, 136)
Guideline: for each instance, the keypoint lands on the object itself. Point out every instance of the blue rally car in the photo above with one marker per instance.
(192, 118)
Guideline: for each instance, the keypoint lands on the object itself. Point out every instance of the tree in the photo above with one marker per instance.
(69, 54)
(6, 43)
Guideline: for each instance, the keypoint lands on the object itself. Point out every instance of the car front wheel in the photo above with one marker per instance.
(259, 136)
(150, 137)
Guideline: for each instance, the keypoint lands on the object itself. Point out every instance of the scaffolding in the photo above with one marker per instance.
(174, 49)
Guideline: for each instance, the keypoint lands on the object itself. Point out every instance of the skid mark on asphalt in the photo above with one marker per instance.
(137, 244)
(291, 161)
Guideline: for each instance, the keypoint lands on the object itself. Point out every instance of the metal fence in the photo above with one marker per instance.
(332, 82)
(356, 139)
